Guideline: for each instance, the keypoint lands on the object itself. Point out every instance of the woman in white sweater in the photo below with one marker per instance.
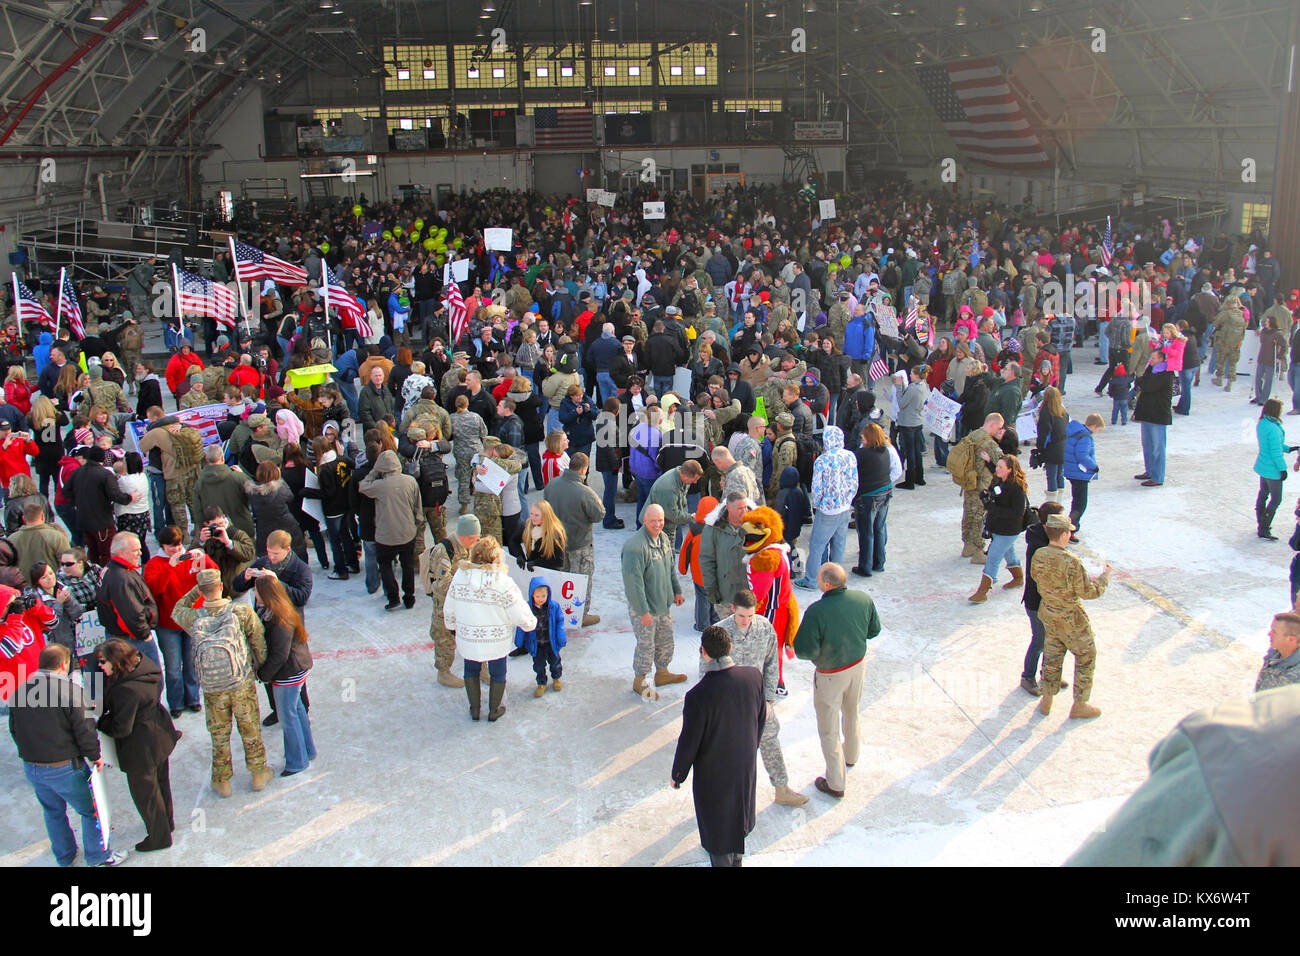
(483, 608)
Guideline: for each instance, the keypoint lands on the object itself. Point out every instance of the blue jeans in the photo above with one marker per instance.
(643, 486)
(827, 543)
(1034, 655)
(1184, 406)
(349, 393)
(1292, 379)
(1002, 545)
(496, 670)
(663, 384)
(57, 788)
(1066, 366)
(871, 512)
(940, 451)
(1153, 450)
(162, 510)
(608, 389)
(552, 420)
(1103, 341)
(181, 680)
(1055, 477)
(704, 613)
(1214, 350)
(299, 748)
(1119, 410)
(609, 496)
(372, 566)
(534, 463)
(911, 448)
(68, 514)
(339, 528)
(546, 656)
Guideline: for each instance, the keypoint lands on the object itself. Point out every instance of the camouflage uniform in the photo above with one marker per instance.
(241, 703)
(582, 561)
(194, 398)
(972, 508)
(488, 506)
(441, 570)
(757, 648)
(131, 345)
(1062, 583)
(450, 379)
(1229, 330)
(107, 394)
(179, 490)
(785, 454)
(215, 380)
(837, 320)
(467, 435)
(654, 644)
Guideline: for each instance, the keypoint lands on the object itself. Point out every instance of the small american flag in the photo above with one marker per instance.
(457, 312)
(878, 370)
(1107, 247)
(28, 306)
(980, 113)
(909, 324)
(69, 306)
(564, 126)
(351, 312)
(199, 296)
(252, 264)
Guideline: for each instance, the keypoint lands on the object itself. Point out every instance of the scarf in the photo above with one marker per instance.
(721, 664)
(288, 426)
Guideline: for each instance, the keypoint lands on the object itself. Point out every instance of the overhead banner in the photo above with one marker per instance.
(825, 131)
(652, 210)
(345, 144)
(410, 140)
(627, 129)
(827, 209)
(498, 238)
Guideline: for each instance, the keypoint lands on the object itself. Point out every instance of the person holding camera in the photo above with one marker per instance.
(231, 549)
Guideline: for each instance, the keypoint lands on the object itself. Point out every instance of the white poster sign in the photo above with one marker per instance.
(312, 506)
(494, 480)
(457, 271)
(652, 210)
(607, 198)
(567, 590)
(498, 239)
(940, 414)
(1027, 421)
(826, 209)
(594, 193)
(887, 321)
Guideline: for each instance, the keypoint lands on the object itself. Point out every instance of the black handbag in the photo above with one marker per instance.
(1295, 538)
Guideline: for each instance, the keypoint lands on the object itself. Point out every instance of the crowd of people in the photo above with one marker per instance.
(740, 373)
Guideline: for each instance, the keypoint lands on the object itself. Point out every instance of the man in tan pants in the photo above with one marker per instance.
(833, 635)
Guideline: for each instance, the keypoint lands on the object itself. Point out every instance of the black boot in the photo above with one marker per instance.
(473, 690)
(496, 709)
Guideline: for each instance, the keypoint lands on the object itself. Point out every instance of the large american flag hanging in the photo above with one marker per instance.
(252, 264)
(200, 296)
(567, 126)
(980, 113)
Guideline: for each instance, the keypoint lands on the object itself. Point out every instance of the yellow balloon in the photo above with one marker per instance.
(456, 243)
(419, 224)
(324, 247)
(442, 232)
(440, 259)
(429, 244)
(357, 210)
(388, 234)
(397, 230)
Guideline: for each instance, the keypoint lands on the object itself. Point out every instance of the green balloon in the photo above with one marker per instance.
(846, 260)
(442, 232)
(324, 247)
(388, 234)
(415, 235)
(440, 259)
(429, 244)
(357, 210)
(397, 230)
(419, 224)
(456, 243)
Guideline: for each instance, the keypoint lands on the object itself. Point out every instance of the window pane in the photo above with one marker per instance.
(429, 74)
(543, 71)
(498, 72)
(403, 74)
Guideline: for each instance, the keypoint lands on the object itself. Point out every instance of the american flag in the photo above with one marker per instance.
(28, 306)
(351, 312)
(252, 264)
(1107, 247)
(878, 370)
(69, 306)
(564, 126)
(909, 324)
(200, 296)
(457, 313)
(980, 113)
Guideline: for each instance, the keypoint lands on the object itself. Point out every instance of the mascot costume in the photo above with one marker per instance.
(767, 561)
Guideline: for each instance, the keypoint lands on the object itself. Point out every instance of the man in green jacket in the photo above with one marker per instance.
(218, 484)
(650, 582)
(722, 555)
(1005, 399)
(669, 493)
(833, 635)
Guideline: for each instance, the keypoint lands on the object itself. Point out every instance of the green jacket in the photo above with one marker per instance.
(722, 560)
(222, 486)
(1005, 400)
(834, 631)
(669, 492)
(649, 575)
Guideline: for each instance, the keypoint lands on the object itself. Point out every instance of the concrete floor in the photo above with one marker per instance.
(957, 767)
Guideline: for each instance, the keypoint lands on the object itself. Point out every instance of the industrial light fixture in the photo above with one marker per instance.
(327, 4)
(1023, 42)
(584, 3)
(960, 21)
(150, 33)
(1186, 14)
(919, 58)
(219, 59)
(964, 51)
(769, 12)
(612, 28)
(734, 32)
(1036, 6)
(485, 13)
(489, 6)
(97, 12)
(810, 6)
(896, 10)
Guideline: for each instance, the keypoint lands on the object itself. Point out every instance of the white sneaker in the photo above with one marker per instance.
(115, 858)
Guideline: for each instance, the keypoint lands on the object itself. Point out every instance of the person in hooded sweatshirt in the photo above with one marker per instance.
(794, 507)
(545, 641)
(834, 487)
(41, 351)
(135, 717)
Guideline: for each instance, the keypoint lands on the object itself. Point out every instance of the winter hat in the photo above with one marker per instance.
(257, 421)
(987, 312)
(1120, 369)
(208, 576)
(95, 454)
(196, 379)
(223, 342)
(1059, 523)
(95, 371)
(1013, 344)
(468, 525)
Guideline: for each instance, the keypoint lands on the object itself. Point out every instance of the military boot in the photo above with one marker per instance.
(474, 691)
(664, 676)
(447, 679)
(221, 787)
(1082, 710)
(789, 798)
(969, 550)
(496, 709)
(1045, 705)
(640, 687)
(261, 778)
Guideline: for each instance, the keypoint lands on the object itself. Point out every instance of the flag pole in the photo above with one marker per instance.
(180, 316)
(325, 296)
(58, 302)
(18, 312)
(239, 286)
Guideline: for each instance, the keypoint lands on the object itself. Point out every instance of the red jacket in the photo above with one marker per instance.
(179, 369)
(168, 583)
(245, 375)
(13, 458)
(19, 396)
(67, 465)
(22, 637)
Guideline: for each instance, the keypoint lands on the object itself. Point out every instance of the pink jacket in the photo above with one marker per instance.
(1173, 350)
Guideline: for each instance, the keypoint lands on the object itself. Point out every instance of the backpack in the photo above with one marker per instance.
(221, 657)
(806, 452)
(431, 474)
(891, 276)
(961, 462)
(187, 449)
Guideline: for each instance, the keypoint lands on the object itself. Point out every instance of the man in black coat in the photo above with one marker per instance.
(740, 390)
(722, 721)
(125, 605)
(93, 490)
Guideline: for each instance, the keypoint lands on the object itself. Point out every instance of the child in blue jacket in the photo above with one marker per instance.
(546, 640)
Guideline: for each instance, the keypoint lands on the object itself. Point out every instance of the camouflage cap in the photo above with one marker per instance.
(1059, 523)
(785, 419)
(208, 576)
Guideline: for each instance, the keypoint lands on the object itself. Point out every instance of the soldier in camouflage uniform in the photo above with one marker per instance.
(187, 452)
(442, 562)
(789, 370)
(1063, 584)
(130, 345)
(984, 452)
(785, 453)
(1229, 330)
(487, 506)
(451, 377)
(467, 436)
(196, 396)
(240, 703)
(434, 518)
(754, 644)
(837, 319)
